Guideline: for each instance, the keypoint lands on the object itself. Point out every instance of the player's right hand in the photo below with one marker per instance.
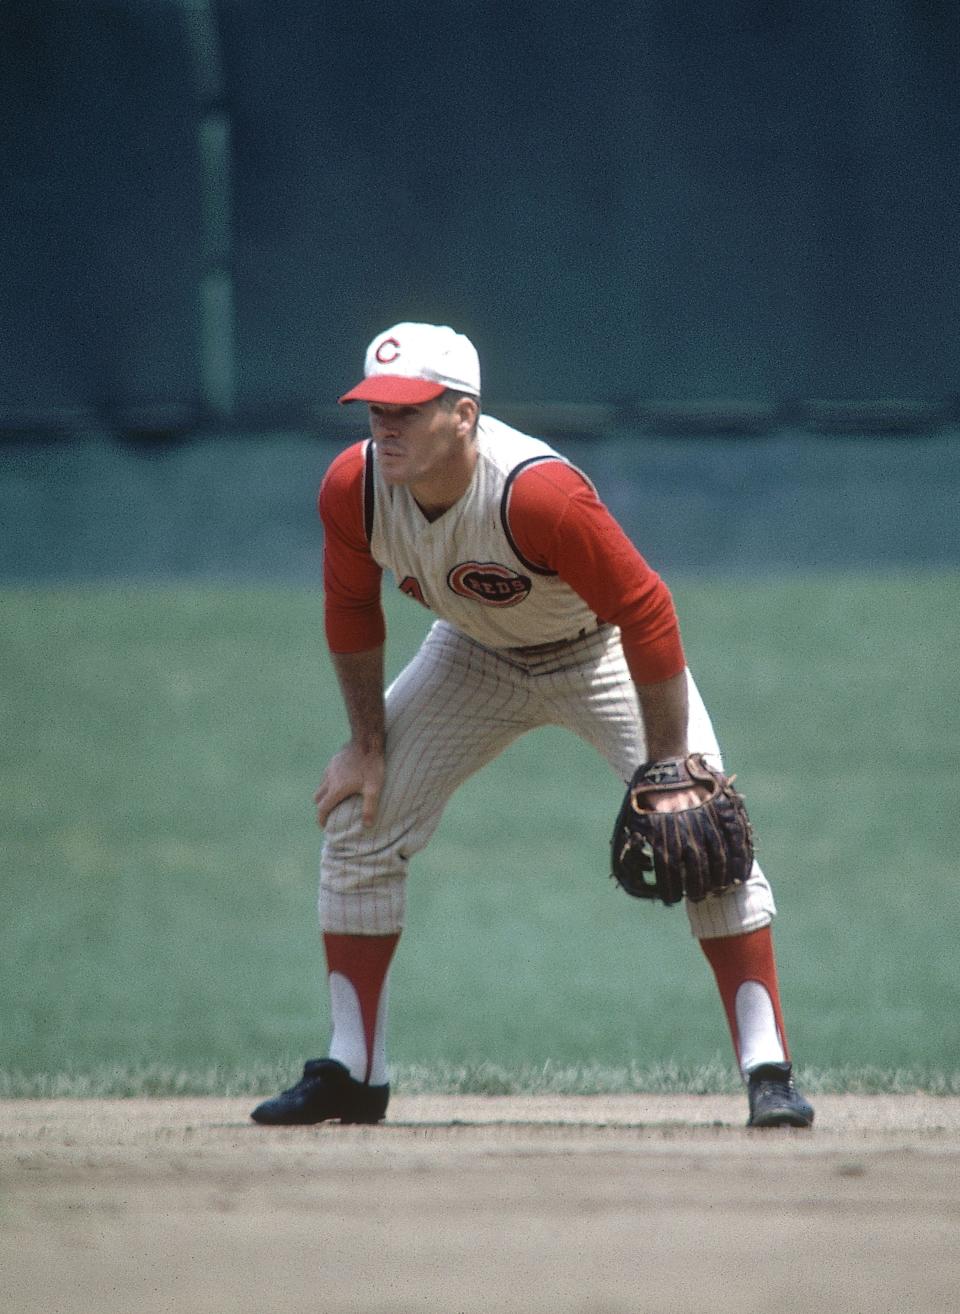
(349, 772)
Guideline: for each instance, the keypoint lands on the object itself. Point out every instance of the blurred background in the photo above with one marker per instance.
(712, 252)
(211, 205)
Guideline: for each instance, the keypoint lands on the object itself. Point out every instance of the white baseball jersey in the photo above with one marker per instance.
(468, 556)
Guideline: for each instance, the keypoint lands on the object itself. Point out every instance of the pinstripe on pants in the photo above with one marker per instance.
(453, 709)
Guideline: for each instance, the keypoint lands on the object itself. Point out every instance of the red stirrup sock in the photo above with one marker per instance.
(746, 972)
(358, 969)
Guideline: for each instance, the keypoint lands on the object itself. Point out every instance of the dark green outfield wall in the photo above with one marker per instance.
(242, 508)
(739, 198)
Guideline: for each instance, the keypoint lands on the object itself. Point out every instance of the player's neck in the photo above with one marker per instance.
(443, 490)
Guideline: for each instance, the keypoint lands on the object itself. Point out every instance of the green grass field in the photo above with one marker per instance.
(160, 747)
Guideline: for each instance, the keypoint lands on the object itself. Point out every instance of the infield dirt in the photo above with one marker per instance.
(600, 1205)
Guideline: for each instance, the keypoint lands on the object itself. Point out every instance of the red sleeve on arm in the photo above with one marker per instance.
(353, 617)
(560, 524)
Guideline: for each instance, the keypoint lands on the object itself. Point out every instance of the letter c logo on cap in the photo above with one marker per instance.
(384, 354)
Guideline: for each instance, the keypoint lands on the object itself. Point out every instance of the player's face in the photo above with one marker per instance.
(422, 446)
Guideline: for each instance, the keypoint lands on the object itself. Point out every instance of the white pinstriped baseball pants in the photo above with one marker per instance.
(454, 708)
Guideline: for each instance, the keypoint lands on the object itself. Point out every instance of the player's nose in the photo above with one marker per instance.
(383, 426)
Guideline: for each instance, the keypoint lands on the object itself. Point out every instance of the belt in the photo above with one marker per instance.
(544, 649)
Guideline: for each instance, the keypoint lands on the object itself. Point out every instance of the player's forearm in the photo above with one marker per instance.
(664, 707)
(360, 675)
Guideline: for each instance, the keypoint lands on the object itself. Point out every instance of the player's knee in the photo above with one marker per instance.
(744, 908)
(344, 824)
(368, 907)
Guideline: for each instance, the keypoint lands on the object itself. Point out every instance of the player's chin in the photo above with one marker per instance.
(394, 470)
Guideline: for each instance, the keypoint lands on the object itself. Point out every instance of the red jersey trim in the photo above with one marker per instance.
(353, 616)
(368, 493)
(505, 513)
(560, 526)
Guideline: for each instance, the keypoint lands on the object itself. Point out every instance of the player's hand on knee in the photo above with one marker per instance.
(351, 771)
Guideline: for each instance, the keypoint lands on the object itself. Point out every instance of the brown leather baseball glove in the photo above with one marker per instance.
(692, 853)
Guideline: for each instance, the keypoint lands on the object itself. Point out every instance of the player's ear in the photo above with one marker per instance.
(467, 411)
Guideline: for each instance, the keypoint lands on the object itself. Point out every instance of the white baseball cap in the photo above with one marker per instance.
(410, 364)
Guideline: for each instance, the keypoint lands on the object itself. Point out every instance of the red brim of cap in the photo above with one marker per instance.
(394, 390)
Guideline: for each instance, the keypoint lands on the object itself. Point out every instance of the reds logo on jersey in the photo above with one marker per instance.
(486, 581)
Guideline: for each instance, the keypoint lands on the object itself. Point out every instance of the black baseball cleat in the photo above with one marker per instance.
(325, 1092)
(775, 1100)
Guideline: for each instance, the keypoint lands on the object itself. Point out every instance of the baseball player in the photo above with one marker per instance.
(546, 614)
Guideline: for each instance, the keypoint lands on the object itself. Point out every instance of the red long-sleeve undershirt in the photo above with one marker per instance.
(558, 523)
